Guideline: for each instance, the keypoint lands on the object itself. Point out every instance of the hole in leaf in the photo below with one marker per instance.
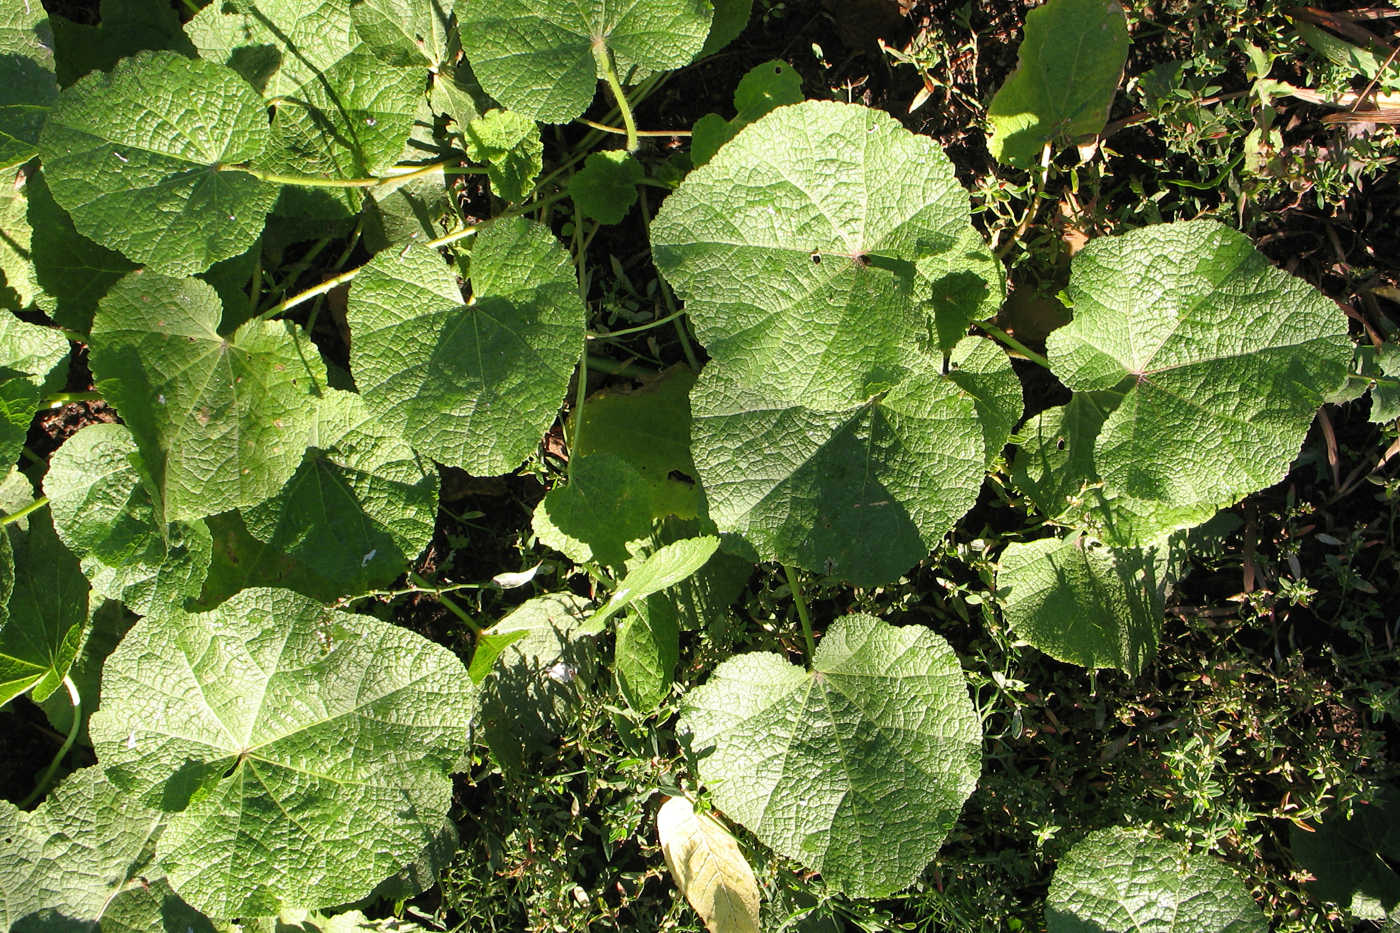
(816, 258)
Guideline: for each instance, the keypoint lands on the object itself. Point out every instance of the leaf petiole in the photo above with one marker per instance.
(603, 56)
(1003, 337)
(34, 506)
(315, 181)
(801, 602)
(46, 779)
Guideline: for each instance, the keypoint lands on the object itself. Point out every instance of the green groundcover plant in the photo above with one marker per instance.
(178, 589)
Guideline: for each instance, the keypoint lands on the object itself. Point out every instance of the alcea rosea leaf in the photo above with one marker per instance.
(537, 56)
(858, 768)
(135, 157)
(221, 423)
(474, 382)
(103, 510)
(1066, 72)
(1123, 879)
(276, 45)
(809, 252)
(274, 718)
(1223, 358)
(28, 355)
(406, 32)
(27, 83)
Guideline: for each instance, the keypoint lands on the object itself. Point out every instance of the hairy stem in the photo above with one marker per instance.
(603, 56)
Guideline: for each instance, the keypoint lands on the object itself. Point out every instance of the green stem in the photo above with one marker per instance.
(603, 56)
(314, 181)
(802, 613)
(638, 329)
(620, 131)
(619, 368)
(63, 398)
(46, 779)
(666, 295)
(1003, 337)
(34, 506)
(448, 604)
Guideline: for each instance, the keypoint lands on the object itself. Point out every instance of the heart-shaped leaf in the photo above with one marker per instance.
(406, 32)
(138, 158)
(275, 718)
(858, 768)
(276, 45)
(474, 382)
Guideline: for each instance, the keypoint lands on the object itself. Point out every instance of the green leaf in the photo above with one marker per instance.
(649, 428)
(606, 187)
(982, 369)
(82, 861)
(731, 16)
(605, 506)
(220, 423)
(360, 506)
(48, 611)
(28, 86)
(663, 568)
(1347, 857)
(135, 158)
(474, 382)
(537, 56)
(1068, 68)
(1091, 606)
(29, 356)
(456, 93)
(108, 623)
(510, 146)
(648, 650)
(406, 32)
(1055, 459)
(487, 649)
(1224, 361)
(73, 271)
(276, 45)
(125, 27)
(1385, 396)
(103, 511)
(857, 769)
(824, 430)
(763, 89)
(271, 718)
(1122, 879)
(17, 287)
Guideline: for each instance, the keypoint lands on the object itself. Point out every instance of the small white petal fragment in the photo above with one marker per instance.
(708, 867)
(508, 581)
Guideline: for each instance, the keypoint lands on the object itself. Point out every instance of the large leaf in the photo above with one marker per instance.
(1067, 70)
(1091, 606)
(474, 382)
(1351, 859)
(17, 287)
(856, 769)
(825, 431)
(538, 56)
(221, 423)
(103, 510)
(124, 28)
(137, 158)
(29, 356)
(48, 610)
(1224, 361)
(274, 718)
(82, 861)
(406, 32)
(276, 45)
(28, 86)
(598, 514)
(708, 867)
(361, 505)
(1124, 881)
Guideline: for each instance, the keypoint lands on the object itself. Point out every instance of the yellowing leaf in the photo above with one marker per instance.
(708, 868)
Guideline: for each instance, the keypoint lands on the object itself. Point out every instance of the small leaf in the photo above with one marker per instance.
(606, 187)
(667, 566)
(857, 769)
(103, 510)
(271, 718)
(136, 157)
(731, 16)
(708, 867)
(17, 286)
(1091, 606)
(604, 507)
(1122, 879)
(29, 356)
(537, 56)
(220, 423)
(763, 89)
(28, 86)
(648, 650)
(1385, 396)
(1208, 341)
(1067, 70)
(983, 370)
(474, 382)
(489, 646)
(510, 146)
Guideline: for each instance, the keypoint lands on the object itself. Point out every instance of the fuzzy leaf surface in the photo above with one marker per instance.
(406, 32)
(708, 867)
(276, 45)
(1067, 70)
(221, 423)
(605, 506)
(510, 146)
(1224, 360)
(28, 86)
(103, 511)
(133, 156)
(474, 382)
(537, 56)
(1124, 880)
(29, 354)
(858, 768)
(606, 187)
(273, 717)
(824, 431)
